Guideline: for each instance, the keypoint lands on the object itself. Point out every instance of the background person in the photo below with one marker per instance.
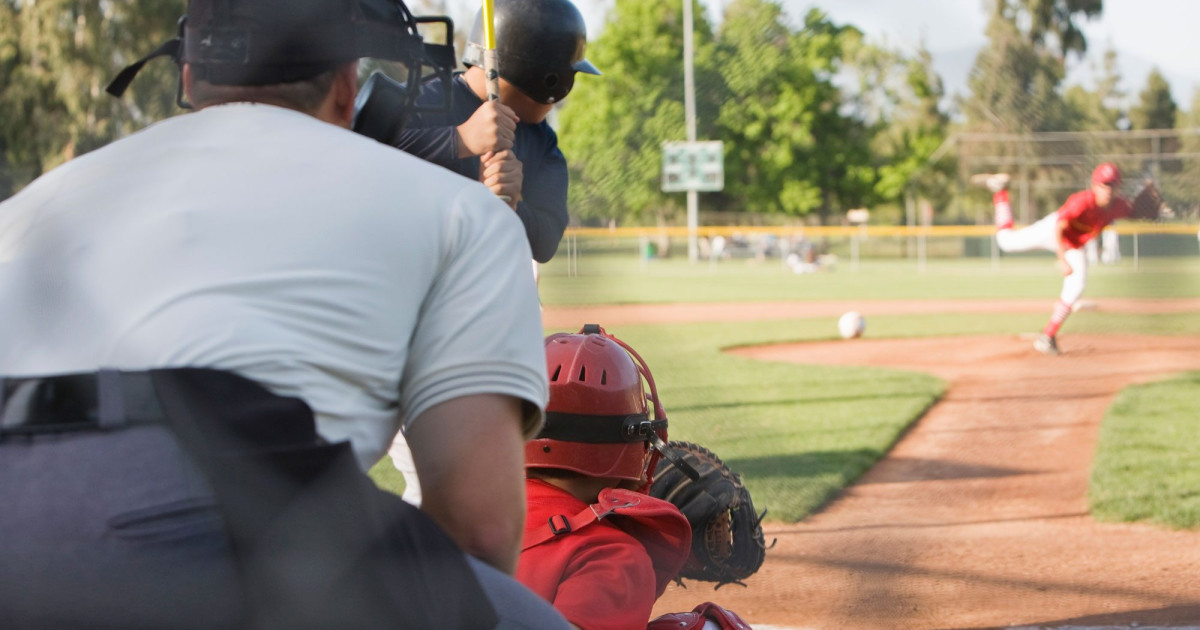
(507, 144)
(595, 545)
(214, 326)
(1065, 232)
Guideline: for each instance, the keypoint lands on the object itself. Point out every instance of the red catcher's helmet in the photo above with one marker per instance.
(598, 419)
(1107, 174)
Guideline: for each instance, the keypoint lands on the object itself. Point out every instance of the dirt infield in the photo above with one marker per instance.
(978, 517)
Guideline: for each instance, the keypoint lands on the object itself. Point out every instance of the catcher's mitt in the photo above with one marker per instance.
(727, 537)
(1147, 204)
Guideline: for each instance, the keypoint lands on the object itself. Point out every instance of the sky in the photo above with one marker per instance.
(1145, 33)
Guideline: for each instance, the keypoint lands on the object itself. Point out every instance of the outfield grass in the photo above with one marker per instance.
(796, 433)
(800, 433)
(1147, 465)
(623, 279)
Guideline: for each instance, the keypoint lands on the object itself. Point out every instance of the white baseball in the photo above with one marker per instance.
(851, 325)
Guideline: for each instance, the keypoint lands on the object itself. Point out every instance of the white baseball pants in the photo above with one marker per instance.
(1042, 235)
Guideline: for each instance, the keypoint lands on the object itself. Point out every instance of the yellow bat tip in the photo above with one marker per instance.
(489, 25)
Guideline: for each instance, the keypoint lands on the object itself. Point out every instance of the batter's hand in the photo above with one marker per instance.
(491, 128)
(503, 173)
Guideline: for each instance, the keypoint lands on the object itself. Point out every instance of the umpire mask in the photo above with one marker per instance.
(263, 42)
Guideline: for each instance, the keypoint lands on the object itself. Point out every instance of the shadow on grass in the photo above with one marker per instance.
(813, 479)
(810, 465)
(844, 464)
(824, 475)
(806, 400)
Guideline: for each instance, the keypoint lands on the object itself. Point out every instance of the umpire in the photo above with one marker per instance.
(212, 327)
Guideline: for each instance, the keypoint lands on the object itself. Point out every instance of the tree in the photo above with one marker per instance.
(1009, 83)
(794, 142)
(57, 56)
(1155, 109)
(1056, 19)
(1099, 109)
(612, 127)
(1016, 83)
(909, 124)
(840, 156)
(1181, 186)
(780, 95)
(1016, 79)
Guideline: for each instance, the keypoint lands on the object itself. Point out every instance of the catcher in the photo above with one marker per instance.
(1080, 219)
(596, 545)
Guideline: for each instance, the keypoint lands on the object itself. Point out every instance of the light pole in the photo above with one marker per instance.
(689, 114)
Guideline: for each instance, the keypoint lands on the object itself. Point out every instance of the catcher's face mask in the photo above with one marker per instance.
(264, 42)
(598, 420)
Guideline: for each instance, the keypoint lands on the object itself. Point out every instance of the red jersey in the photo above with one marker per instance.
(1085, 219)
(606, 569)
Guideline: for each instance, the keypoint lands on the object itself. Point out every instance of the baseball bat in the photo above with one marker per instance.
(491, 66)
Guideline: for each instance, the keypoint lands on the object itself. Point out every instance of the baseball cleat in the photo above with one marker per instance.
(1046, 345)
(994, 182)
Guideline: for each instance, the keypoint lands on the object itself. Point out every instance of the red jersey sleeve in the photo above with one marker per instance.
(1119, 208)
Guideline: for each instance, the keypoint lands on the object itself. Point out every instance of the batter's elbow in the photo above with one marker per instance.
(545, 253)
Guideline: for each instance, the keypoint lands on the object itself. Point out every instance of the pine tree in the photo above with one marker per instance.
(1155, 109)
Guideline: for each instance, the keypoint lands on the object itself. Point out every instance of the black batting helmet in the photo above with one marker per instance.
(539, 46)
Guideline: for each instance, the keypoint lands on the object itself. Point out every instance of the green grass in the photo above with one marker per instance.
(800, 433)
(1147, 465)
(797, 433)
(386, 476)
(623, 279)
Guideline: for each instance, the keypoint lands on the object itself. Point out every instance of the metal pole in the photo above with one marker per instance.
(1157, 141)
(995, 254)
(1026, 210)
(689, 109)
(910, 219)
(572, 257)
(921, 253)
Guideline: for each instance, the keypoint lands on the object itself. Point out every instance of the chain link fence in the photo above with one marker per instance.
(1047, 167)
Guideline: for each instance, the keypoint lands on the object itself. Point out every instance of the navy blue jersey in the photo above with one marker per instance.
(543, 208)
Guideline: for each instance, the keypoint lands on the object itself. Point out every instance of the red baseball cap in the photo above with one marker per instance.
(1107, 174)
